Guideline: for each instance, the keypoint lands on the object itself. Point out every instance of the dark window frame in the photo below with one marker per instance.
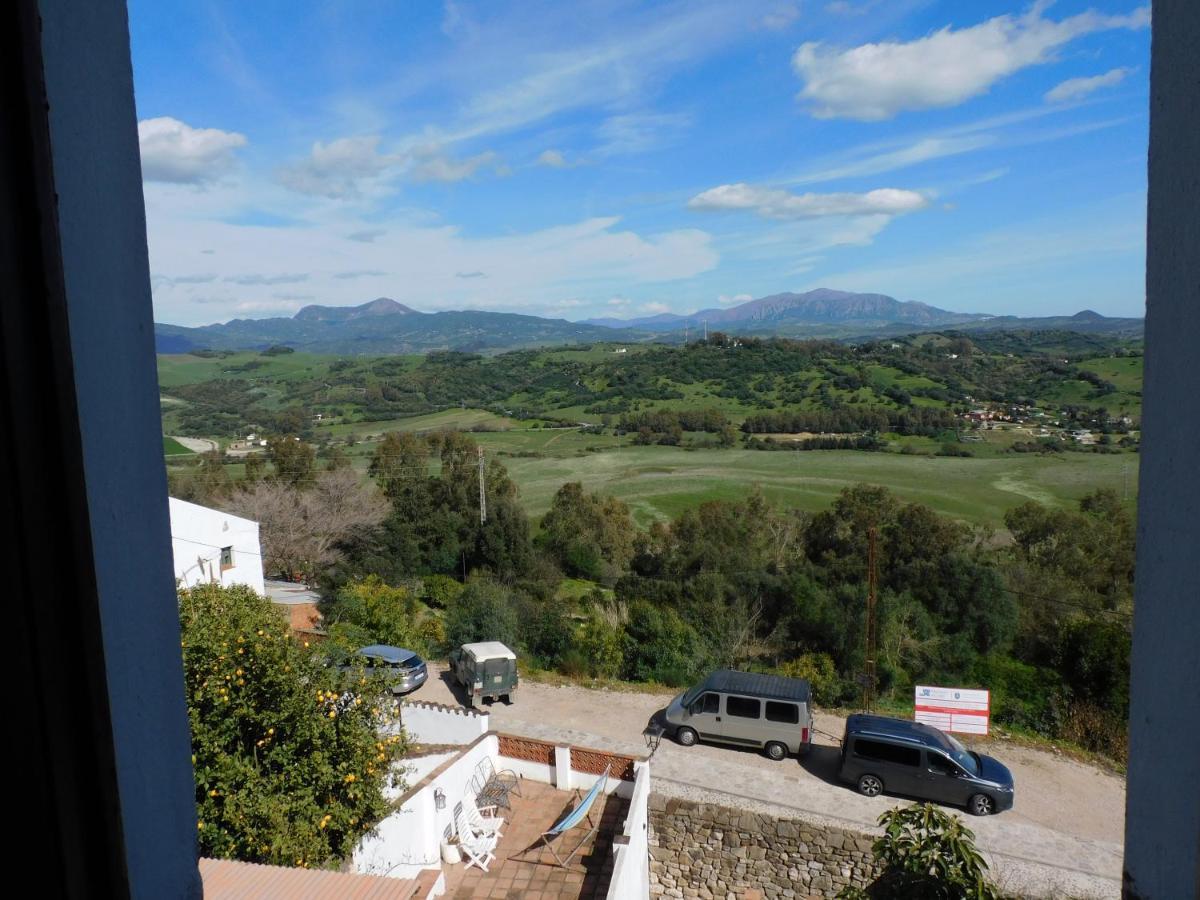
(731, 699)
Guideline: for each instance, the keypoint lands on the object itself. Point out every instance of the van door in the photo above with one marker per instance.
(704, 715)
(942, 779)
(743, 722)
(898, 765)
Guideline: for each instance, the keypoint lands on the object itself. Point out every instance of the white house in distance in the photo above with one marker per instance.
(214, 546)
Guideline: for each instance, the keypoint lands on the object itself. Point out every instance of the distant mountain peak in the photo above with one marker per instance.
(381, 306)
(1087, 315)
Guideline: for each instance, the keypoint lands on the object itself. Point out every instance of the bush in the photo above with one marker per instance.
(818, 669)
(926, 854)
(602, 646)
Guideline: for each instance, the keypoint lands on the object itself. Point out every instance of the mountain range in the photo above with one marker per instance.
(384, 326)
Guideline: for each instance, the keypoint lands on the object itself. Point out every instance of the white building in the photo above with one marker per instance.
(210, 545)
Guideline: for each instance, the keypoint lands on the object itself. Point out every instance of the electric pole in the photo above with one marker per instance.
(872, 584)
(706, 331)
(482, 491)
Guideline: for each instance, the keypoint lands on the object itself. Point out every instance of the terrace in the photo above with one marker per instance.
(611, 862)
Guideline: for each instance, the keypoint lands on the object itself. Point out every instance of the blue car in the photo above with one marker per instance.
(913, 759)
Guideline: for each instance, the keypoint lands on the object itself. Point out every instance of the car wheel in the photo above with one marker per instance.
(508, 701)
(775, 751)
(686, 737)
(870, 786)
(981, 805)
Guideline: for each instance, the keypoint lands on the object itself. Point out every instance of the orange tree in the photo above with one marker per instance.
(290, 755)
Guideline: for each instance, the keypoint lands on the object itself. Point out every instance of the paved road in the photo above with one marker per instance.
(196, 445)
(1064, 835)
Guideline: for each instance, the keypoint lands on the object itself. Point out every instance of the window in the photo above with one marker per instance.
(709, 703)
(939, 764)
(742, 707)
(878, 750)
(788, 713)
(226, 558)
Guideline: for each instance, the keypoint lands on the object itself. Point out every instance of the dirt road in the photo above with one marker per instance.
(1063, 836)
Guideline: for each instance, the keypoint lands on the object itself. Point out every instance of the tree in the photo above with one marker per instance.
(300, 530)
(483, 612)
(926, 854)
(293, 459)
(289, 764)
(589, 535)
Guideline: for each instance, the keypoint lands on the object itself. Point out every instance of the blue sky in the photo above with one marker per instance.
(622, 159)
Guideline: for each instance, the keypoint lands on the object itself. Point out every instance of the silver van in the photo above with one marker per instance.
(745, 709)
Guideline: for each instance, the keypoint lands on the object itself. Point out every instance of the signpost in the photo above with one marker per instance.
(953, 709)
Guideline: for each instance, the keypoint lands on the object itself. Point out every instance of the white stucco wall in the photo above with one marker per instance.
(433, 723)
(197, 536)
(631, 866)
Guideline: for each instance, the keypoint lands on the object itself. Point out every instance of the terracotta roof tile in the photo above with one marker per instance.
(226, 879)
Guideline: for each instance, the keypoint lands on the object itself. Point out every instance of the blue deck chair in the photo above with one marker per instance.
(573, 818)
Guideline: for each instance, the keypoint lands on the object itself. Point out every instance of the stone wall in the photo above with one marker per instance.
(718, 853)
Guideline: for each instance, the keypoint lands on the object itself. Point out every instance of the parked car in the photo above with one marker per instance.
(486, 670)
(745, 709)
(917, 760)
(401, 670)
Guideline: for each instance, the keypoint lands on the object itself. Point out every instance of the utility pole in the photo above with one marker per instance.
(1125, 481)
(482, 491)
(706, 331)
(872, 584)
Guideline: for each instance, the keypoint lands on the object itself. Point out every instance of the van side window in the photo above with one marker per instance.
(788, 713)
(709, 703)
(742, 707)
(904, 756)
(938, 763)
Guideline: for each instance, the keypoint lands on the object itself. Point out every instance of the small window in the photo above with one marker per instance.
(709, 703)
(878, 750)
(787, 713)
(226, 558)
(742, 707)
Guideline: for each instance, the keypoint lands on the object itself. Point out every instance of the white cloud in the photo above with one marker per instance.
(336, 170)
(432, 165)
(344, 168)
(553, 159)
(877, 81)
(773, 203)
(366, 235)
(730, 300)
(1075, 88)
(629, 134)
(653, 308)
(780, 17)
(259, 278)
(176, 152)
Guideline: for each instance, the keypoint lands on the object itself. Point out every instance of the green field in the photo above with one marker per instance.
(172, 447)
(660, 482)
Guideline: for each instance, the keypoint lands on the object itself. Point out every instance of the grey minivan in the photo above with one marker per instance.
(745, 709)
(917, 760)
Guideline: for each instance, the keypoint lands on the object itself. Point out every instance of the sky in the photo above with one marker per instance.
(601, 158)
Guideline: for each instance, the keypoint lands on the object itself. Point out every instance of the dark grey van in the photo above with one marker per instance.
(916, 760)
(745, 709)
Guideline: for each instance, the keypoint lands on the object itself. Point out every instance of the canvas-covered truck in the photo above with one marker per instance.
(487, 670)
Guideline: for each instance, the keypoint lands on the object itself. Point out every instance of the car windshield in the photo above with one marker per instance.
(689, 695)
(963, 756)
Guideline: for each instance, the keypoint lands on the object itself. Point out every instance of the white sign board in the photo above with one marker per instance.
(953, 709)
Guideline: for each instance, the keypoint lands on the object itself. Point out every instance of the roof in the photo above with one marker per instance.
(489, 650)
(756, 685)
(288, 593)
(227, 879)
(885, 726)
(383, 651)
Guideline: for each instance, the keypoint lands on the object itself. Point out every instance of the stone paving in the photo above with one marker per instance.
(525, 869)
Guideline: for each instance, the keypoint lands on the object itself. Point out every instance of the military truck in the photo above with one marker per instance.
(487, 670)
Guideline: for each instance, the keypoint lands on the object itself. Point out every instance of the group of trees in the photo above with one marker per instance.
(920, 420)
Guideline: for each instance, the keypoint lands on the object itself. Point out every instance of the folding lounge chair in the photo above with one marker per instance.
(573, 818)
(483, 820)
(479, 849)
